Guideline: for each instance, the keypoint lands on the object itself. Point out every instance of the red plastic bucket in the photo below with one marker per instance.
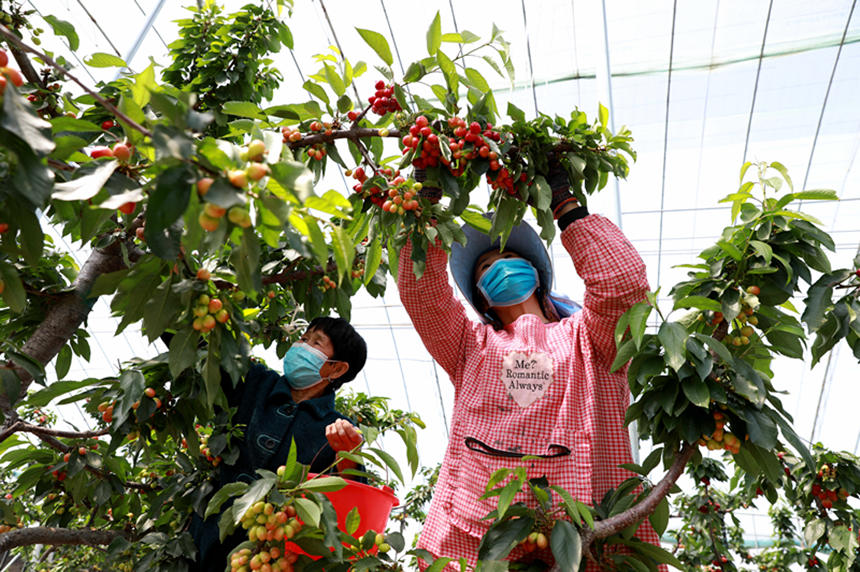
(374, 506)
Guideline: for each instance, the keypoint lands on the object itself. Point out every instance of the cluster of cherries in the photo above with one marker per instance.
(820, 489)
(383, 101)
(401, 195)
(720, 438)
(269, 526)
(8, 74)
(208, 311)
(374, 194)
(425, 142)
(536, 540)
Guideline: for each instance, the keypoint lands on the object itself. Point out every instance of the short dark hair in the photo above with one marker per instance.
(348, 346)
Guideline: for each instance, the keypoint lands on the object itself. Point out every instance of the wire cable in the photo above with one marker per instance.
(529, 52)
(827, 96)
(757, 76)
(666, 141)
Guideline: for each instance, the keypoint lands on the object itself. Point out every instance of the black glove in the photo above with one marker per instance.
(431, 193)
(559, 184)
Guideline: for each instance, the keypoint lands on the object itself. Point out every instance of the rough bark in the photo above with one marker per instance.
(54, 536)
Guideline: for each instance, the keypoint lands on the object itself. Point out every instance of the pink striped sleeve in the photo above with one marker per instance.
(438, 317)
(614, 275)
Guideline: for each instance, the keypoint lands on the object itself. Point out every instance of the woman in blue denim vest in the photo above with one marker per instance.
(279, 409)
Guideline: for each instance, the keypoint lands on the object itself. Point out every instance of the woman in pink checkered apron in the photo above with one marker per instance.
(534, 378)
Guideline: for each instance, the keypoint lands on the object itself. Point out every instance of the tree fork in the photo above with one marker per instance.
(64, 318)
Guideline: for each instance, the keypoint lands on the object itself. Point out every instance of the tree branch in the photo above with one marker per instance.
(13, 39)
(354, 134)
(58, 446)
(54, 536)
(47, 432)
(64, 318)
(637, 512)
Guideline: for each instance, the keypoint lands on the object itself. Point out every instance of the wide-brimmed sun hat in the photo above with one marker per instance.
(525, 242)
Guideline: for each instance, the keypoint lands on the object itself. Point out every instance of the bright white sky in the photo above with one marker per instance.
(798, 107)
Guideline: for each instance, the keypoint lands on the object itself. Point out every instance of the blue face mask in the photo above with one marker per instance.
(508, 281)
(302, 365)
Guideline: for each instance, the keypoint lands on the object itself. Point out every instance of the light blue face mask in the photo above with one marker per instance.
(508, 281)
(302, 365)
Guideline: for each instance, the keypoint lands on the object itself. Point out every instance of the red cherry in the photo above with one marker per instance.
(421, 121)
(99, 152)
(108, 124)
(475, 127)
(380, 85)
(127, 208)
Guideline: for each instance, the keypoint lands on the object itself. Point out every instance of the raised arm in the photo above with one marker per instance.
(614, 275)
(437, 315)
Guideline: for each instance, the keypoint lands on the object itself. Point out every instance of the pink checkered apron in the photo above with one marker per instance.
(530, 389)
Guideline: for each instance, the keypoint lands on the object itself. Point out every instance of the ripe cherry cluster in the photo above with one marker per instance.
(207, 312)
(401, 195)
(383, 101)
(826, 488)
(8, 74)
(374, 194)
(316, 151)
(720, 438)
(425, 142)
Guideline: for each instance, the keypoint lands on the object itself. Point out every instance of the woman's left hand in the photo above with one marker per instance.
(343, 435)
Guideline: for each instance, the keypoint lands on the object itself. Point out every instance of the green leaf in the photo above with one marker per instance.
(64, 362)
(323, 484)
(334, 80)
(654, 552)
(673, 336)
(506, 496)
(782, 171)
(379, 44)
(503, 536)
(166, 206)
(14, 294)
(183, 351)
(85, 187)
(308, 510)
(63, 28)
(434, 35)
(389, 461)
(817, 195)
(449, 71)
(698, 302)
(244, 109)
(696, 391)
(478, 80)
(566, 545)
(353, 519)
(623, 355)
(103, 60)
(414, 72)
(372, 259)
(814, 530)
(659, 519)
(762, 249)
(761, 429)
(246, 261)
(257, 492)
(731, 249)
(159, 311)
(603, 115)
(224, 493)
(344, 250)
